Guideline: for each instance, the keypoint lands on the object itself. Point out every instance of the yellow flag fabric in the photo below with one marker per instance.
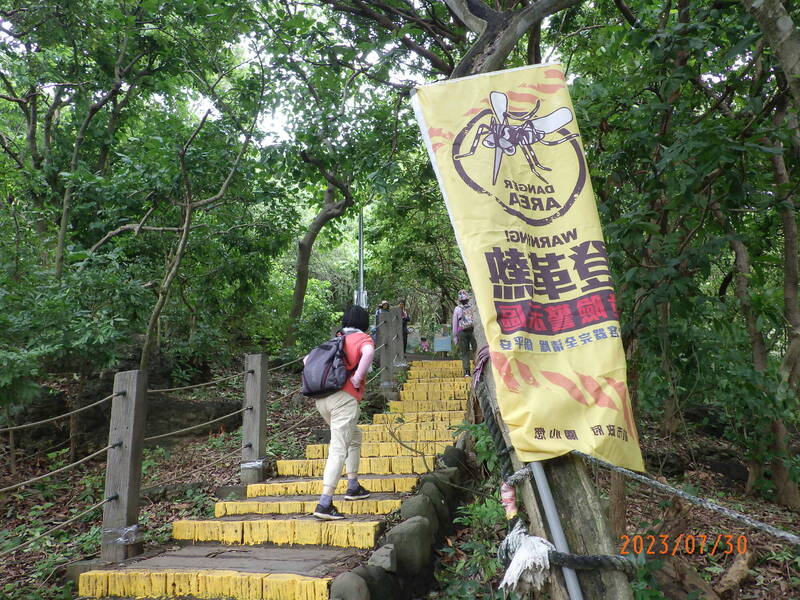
(510, 163)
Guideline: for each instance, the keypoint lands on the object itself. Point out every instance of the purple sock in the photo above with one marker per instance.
(325, 500)
(352, 484)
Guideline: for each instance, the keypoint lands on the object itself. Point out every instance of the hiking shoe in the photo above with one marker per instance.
(357, 494)
(327, 514)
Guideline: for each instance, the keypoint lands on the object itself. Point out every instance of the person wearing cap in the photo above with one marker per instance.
(464, 329)
(382, 307)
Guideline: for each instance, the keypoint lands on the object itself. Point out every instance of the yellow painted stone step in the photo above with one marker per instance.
(306, 487)
(377, 449)
(313, 487)
(460, 384)
(396, 465)
(367, 506)
(448, 416)
(417, 426)
(343, 534)
(202, 584)
(437, 396)
(405, 405)
(383, 433)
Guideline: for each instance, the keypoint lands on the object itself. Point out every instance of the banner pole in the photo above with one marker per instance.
(556, 531)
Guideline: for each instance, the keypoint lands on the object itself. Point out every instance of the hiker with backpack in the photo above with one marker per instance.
(334, 374)
(464, 329)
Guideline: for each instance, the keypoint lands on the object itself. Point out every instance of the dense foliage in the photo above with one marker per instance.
(180, 181)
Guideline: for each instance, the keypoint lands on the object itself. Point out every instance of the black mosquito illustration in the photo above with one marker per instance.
(505, 137)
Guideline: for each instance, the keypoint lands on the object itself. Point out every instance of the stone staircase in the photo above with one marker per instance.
(268, 546)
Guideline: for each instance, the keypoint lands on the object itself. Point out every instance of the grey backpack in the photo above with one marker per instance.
(324, 371)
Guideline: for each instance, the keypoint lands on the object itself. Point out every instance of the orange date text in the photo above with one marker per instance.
(685, 543)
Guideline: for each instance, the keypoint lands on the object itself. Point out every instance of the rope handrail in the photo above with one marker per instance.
(185, 429)
(56, 418)
(57, 527)
(236, 412)
(525, 473)
(199, 385)
(377, 373)
(69, 466)
(280, 366)
(226, 456)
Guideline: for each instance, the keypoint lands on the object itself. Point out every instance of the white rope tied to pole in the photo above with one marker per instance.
(56, 418)
(530, 560)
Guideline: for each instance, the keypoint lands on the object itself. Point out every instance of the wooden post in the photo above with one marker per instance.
(254, 424)
(124, 467)
(395, 339)
(388, 388)
(582, 517)
(555, 587)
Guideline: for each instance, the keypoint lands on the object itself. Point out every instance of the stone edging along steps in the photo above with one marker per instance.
(267, 546)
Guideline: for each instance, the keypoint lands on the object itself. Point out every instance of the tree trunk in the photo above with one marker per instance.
(166, 283)
(669, 420)
(330, 210)
(786, 490)
(498, 31)
(780, 31)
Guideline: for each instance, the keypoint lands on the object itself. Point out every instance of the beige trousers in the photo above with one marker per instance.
(340, 410)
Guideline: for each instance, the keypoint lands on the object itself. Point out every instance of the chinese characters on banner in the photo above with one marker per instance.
(509, 159)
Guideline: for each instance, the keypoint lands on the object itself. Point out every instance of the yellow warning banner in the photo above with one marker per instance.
(510, 163)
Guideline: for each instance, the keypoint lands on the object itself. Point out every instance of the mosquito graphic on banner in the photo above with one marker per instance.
(508, 156)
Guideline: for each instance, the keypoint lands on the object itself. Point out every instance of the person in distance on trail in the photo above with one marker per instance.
(464, 329)
(406, 320)
(382, 308)
(340, 411)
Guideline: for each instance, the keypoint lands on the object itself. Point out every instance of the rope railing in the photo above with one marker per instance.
(377, 374)
(280, 366)
(226, 456)
(198, 385)
(57, 527)
(707, 504)
(56, 418)
(526, 473)
(64, 468)
(193, 427)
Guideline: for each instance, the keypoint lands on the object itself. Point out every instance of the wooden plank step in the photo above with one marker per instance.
(376, 504)
(378, 449)
(396, 465)
(290, 486)
(354, 532)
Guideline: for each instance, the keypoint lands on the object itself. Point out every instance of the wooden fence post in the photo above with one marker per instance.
(582, 516)
(383, 340)
(120, 538)
(254, 424)
(395, 339)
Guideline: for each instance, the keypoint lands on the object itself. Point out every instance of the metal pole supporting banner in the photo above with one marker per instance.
(362, 299)
(556, 531)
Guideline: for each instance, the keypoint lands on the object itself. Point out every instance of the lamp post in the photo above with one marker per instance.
(361, 294)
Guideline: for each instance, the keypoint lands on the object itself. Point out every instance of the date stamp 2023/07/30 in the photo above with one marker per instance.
(685, 543)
